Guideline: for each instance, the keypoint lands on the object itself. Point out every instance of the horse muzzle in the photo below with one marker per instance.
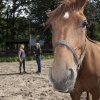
(66, 84)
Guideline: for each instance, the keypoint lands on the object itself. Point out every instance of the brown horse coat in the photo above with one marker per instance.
(67, 22)
(88, 78)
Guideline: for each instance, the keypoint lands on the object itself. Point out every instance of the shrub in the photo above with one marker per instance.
(28, 58)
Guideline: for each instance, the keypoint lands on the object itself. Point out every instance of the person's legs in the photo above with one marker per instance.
(20, 65)
(24, 65)
(39, 63)
(37, 60)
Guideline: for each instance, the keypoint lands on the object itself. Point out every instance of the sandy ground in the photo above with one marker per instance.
(30, 86)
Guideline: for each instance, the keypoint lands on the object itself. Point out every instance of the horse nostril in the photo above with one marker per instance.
(66, 83)
(68, 75)
(71, 74)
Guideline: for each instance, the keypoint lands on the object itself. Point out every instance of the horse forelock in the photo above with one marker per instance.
(65, 6)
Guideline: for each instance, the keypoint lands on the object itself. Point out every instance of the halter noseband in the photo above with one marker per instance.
(67, 44)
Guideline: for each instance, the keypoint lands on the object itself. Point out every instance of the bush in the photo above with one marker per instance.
(47, 56)
(28, 58)
(8, 59)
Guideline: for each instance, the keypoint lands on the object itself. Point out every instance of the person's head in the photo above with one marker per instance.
(37, 45)
(22, 46)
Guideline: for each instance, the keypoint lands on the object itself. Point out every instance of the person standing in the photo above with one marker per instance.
(37, 54)
(21, 55)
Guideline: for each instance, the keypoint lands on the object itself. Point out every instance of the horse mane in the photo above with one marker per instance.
(93, 41)
(60, 10)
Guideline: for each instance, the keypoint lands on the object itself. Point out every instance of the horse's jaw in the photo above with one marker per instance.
(67, 84)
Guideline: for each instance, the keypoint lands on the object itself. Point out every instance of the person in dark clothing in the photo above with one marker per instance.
(21, 55)
(37, 54)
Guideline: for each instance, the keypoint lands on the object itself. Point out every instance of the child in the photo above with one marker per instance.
(21, 55)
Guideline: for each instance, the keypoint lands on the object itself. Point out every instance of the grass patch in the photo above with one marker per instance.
(28, 58)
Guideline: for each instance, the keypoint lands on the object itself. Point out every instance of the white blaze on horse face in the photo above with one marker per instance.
(66, 16)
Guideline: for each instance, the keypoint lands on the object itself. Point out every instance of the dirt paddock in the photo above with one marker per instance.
(30, 86)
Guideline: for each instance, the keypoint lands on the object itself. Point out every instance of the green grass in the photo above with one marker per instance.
(28, 58)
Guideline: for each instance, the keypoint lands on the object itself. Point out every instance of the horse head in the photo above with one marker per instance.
(68, 25)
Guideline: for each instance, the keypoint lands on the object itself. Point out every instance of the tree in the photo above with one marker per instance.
(92, 12)
(2, 24)
(18, 18)
(38, 10)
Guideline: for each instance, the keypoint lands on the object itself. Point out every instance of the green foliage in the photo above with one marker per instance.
(47, 56)
(8, 59)
(92, 12)
(15, 26)
(28, 58)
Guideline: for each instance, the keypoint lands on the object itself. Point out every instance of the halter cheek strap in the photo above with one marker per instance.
(67, 44)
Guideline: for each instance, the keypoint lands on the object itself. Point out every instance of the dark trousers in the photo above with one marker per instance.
(38, 60)
(22, 63)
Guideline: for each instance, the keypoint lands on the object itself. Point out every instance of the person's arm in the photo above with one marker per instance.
(40, 50)
(34, 52)
(19, 53)
(24, 53)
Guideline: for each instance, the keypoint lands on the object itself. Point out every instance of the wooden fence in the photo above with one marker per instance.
(28, 52)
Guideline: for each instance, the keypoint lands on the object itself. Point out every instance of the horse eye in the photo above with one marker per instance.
(84, 23)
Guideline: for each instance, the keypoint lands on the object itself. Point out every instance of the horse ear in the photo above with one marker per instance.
(81, 3)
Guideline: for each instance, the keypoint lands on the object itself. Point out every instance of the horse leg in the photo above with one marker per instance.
(75, 95)
(89, 96)
(95, 96)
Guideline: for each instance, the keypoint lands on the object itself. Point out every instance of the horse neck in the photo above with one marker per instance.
(90, 62)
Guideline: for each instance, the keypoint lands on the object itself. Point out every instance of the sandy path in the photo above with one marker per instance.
(31, 86)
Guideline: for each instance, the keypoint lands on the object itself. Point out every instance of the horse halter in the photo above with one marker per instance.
(67, 44)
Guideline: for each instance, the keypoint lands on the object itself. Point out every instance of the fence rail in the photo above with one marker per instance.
(28, 52)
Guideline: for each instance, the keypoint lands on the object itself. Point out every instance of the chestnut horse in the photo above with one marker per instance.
(76, 65)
